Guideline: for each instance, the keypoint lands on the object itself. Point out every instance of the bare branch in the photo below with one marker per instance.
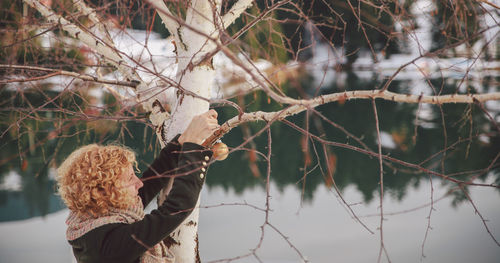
(56, 72)
(381, 184)
(479, 214)
(348, 95)
(489, 3)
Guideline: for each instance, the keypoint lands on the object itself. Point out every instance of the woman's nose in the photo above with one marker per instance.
(139, 184)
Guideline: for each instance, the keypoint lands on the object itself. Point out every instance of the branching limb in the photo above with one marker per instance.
(363, 94)
(169, 20)
(57, 72)
(236, 10)
(94, 18)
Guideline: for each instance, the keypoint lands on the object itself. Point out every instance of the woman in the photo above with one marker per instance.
(106, 200)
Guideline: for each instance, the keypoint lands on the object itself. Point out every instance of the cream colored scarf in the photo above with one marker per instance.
(80, 225)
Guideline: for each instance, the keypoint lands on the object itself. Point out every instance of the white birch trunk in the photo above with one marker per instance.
(194, 46)
(197, 79)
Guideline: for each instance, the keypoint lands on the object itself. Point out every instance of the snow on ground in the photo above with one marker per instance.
(386, 140)
(11, 182)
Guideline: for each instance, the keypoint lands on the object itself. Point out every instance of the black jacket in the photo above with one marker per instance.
(115, 242)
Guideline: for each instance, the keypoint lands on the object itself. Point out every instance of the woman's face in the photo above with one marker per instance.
(131, 182)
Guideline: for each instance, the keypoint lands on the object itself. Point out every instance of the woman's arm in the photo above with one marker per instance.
(162, 168)
(130, 241)
(159, 172)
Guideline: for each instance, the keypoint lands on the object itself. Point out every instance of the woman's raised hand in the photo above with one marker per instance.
(200, 128)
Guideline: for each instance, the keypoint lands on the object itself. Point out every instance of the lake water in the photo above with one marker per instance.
(321, 229)
(308, 212)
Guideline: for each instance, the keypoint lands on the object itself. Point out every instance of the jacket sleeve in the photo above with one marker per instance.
(157, 175)
(130, 241)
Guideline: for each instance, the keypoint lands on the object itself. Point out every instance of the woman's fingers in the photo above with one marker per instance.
(212, 113)
(201, 127)
(214, 126)
(212, 117)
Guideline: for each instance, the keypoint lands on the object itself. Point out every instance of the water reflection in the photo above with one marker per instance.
(321, 230)
(43, 143)
(324, 232)
(35, 198)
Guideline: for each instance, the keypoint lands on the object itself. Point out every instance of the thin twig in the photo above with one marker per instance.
(381, 184)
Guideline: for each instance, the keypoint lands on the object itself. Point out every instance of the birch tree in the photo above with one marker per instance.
(203, 29)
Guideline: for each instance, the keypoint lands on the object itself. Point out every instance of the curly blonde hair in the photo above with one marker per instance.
(88, 180)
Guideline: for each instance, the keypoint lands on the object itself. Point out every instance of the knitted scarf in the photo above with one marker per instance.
(79, 225)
